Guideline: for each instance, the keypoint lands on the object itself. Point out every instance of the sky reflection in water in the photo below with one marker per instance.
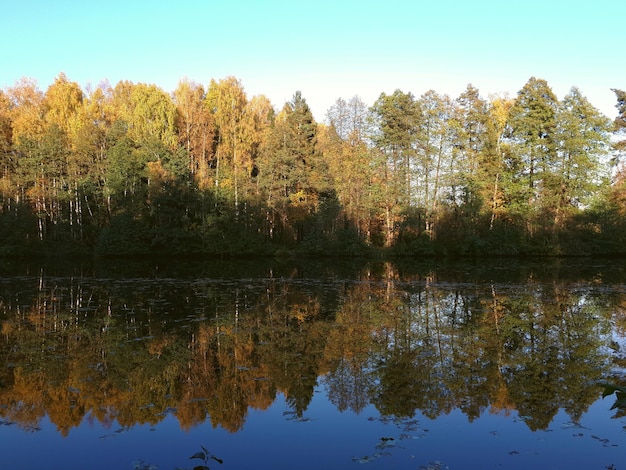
(329, 440)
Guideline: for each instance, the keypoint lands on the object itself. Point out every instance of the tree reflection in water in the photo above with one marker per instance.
(136, 350)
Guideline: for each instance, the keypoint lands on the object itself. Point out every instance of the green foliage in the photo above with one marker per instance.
(620, 397)
(533, 131)
(619, 125)
(620, 120)
(205, 456)
(396, 119)
(149, 113)
(125, 173)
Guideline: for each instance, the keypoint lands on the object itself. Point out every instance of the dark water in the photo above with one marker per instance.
(411, 365)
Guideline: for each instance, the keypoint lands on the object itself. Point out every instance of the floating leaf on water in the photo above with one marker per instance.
(198, 455)
(570, 425)
(385, 445)
(299, 419)
(220, 461)
(386, 442)
(435, 465)
(141, 465)
(406, 424)
(604, 441)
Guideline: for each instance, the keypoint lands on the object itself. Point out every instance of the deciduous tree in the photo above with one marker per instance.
(226, 100)
(147, 111)
(63, 101)
(196, 129)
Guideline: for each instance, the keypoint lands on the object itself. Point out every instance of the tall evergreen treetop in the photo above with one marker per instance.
(620, 120)
(533, 129)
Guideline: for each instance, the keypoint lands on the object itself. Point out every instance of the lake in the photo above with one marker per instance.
(166, 364)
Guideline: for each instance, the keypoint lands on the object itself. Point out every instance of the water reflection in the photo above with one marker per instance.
(135, 350)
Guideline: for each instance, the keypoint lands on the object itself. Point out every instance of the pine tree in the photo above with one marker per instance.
(534, 147)
(583, 139)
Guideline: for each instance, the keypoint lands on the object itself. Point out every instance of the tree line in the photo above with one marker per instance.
(131, 169)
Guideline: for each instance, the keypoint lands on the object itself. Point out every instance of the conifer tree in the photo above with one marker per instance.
(583, 139)
(534, 143)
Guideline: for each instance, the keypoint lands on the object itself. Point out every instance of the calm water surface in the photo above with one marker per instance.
(411, 365)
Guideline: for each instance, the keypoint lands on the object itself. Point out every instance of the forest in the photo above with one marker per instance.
(131, 169)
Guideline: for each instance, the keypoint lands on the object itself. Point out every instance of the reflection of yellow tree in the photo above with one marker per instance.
(224, 377)
(346, 356)
(23, 400)
(297, 336)
(227, 402)
(64, 407)
(501, 401)
(492, 336)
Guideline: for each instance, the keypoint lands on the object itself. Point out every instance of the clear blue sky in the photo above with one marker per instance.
(326, 49)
